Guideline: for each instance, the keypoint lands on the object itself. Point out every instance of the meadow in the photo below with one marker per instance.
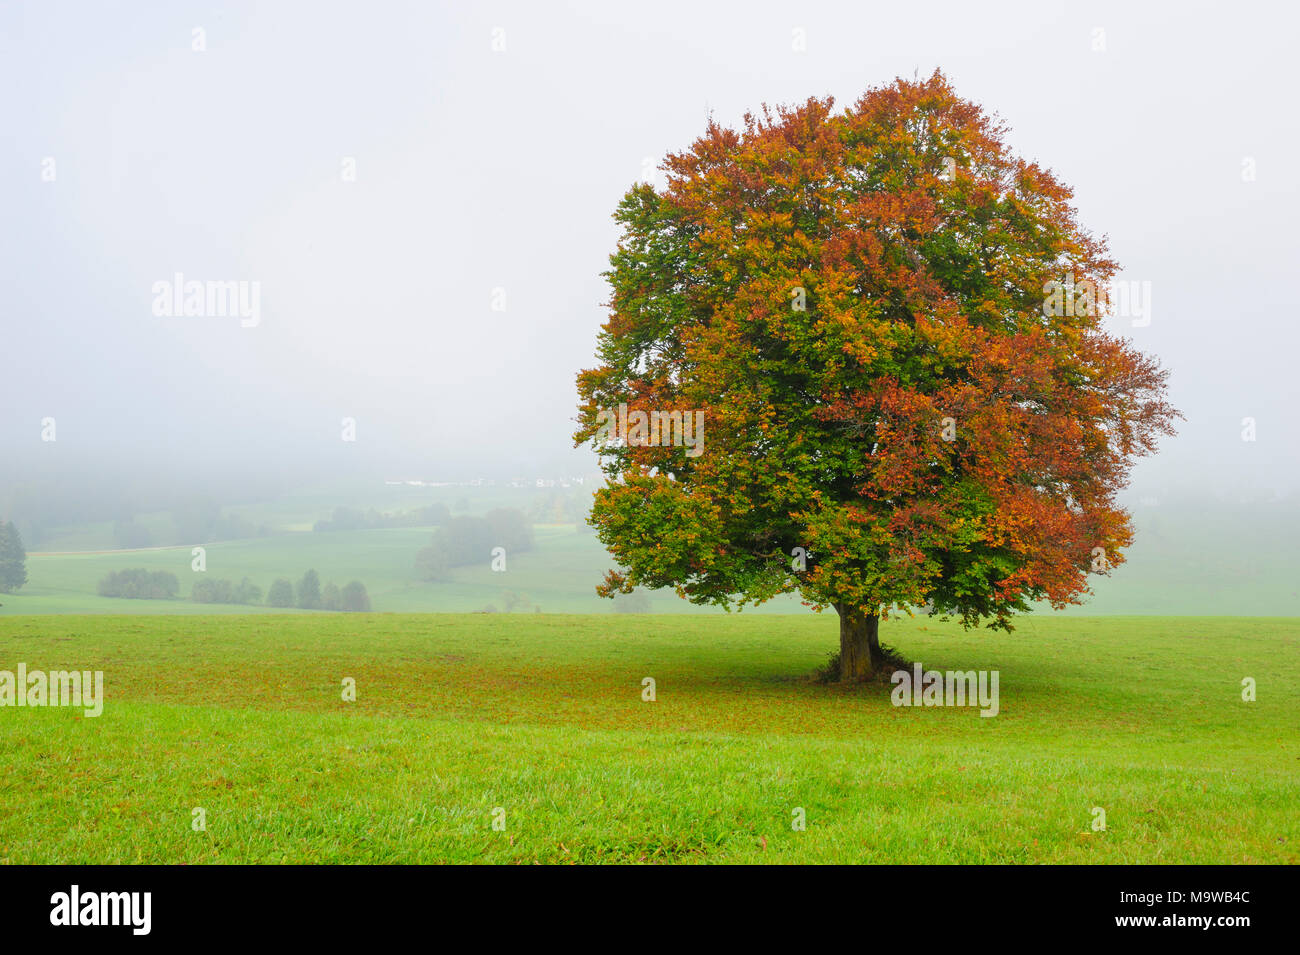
(1190, 557)
(558, 576)
(537, 721)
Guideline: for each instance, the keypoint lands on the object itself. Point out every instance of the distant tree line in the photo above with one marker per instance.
(209, 590)
(309, 595)
(353, 519)
(142, 584)
(465, 540)
(137, 583)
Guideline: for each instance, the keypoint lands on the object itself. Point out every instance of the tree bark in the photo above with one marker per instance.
(860, 656)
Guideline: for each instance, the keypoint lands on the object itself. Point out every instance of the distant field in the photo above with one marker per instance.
(1184, 561)
(298, 510)
(542, 716)
(559, 575)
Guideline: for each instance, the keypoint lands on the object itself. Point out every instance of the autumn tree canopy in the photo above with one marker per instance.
(892, 329)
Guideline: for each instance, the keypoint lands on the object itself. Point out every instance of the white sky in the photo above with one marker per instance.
(479, 169)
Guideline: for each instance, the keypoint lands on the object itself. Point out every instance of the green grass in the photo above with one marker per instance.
(542, 715)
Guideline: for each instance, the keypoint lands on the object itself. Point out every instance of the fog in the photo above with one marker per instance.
(422, 194)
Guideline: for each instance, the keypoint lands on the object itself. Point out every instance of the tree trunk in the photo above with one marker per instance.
(860, 655)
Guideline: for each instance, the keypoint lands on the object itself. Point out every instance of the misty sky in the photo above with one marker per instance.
(479, 169)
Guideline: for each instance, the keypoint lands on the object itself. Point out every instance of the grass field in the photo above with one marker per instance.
(542, 716)
(1164, 575)
(1192, 555)
(559, 575)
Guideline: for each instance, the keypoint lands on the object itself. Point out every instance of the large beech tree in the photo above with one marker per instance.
(894, 330)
